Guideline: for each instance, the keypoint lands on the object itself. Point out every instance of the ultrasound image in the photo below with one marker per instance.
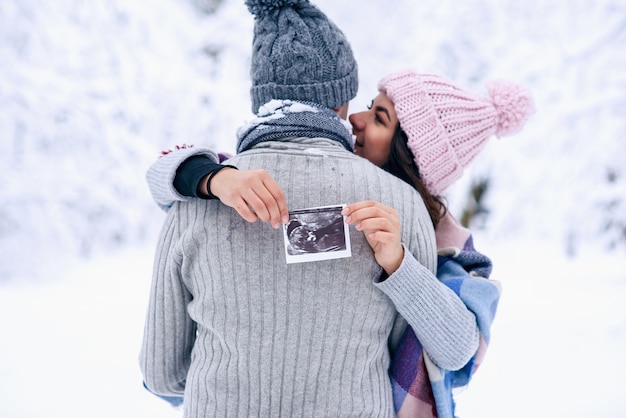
(316, 231)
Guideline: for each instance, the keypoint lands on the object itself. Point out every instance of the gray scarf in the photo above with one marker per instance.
(279, 120)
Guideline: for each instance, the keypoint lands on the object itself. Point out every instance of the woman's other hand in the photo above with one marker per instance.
(254, 194)
(381, 226)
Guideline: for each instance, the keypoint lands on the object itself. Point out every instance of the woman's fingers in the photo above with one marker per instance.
(376, 224)
(275, 201)
(254, 194)
(366, 208)
(244, 211)
(360, 212)
(381, 226)
(267, 200)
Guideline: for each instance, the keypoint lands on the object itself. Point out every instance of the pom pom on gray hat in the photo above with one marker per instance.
(299, 54)
(262, 8)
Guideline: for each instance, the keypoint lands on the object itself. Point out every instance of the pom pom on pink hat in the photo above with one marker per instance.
(447, 126)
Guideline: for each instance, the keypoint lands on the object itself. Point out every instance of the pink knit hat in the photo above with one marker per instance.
(447, 126)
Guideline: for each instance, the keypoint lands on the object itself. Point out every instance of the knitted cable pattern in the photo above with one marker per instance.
(448, 126)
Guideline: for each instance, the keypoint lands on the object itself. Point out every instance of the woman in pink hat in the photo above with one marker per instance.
(425, 130)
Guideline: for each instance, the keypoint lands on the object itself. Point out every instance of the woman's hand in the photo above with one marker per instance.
(381, 226)
(254, 194)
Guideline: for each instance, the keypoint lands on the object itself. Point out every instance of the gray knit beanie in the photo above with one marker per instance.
(299, 54)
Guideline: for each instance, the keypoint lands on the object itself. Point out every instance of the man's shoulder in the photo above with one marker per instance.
(369, 170)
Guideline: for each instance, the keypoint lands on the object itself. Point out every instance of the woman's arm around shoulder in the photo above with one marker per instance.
(187, 173)
(161, 175)
(443, 324)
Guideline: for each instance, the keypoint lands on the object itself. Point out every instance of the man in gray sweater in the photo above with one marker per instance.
(239, 332)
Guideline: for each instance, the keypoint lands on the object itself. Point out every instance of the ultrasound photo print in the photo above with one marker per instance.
(316, 234)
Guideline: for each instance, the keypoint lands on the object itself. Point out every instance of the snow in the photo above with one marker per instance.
(90, 92)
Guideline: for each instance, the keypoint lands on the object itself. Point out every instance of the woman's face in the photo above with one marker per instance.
(374, 129)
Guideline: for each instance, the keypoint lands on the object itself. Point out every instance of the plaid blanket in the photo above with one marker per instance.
(421, 388)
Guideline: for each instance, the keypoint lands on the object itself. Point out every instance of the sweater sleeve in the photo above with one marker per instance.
(162, 174)
(191, 172)
(169, 332)
(445, 327)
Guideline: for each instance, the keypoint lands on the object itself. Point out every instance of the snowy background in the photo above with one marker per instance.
(91, 91)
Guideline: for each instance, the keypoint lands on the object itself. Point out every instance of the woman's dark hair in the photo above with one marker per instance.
(401, 164)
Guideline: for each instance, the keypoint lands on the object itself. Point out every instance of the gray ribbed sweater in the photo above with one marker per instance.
(241, 333)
